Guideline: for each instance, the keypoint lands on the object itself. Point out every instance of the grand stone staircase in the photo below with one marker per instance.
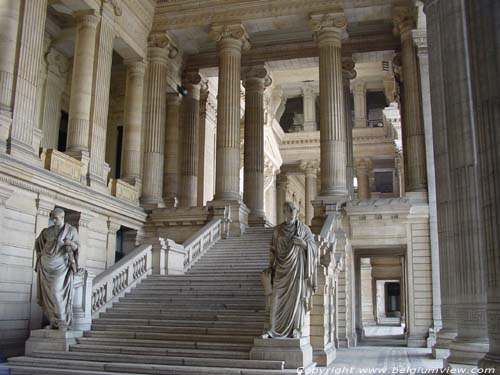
(203, 322)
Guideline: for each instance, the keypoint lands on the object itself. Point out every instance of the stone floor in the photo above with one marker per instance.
(373, 331)
(383, 360)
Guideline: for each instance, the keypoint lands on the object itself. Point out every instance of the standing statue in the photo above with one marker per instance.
(292, 271)
(57, 260)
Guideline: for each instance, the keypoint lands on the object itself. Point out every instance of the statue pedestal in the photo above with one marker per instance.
(51, 340)
(297, 353)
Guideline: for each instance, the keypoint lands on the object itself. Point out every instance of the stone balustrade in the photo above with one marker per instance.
(123, 190)
(62, 164)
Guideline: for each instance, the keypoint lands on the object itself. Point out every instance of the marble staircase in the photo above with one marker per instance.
(202, 322)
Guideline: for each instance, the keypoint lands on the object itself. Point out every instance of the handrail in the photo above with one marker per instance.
(113, 282)
(328, 240)
(201, 241)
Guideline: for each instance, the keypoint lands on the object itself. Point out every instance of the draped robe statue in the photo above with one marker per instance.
(57, 260)
(292, 268)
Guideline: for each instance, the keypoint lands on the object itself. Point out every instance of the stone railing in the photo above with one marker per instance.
(180, 257)
(123, 190)
(62, 164)
(120, 277)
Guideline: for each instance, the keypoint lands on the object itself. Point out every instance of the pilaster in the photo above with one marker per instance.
(348, 74)
(113, 227)
(359, 93)
(172, 148)
(309, 105)
(310, 169)
(363, 171)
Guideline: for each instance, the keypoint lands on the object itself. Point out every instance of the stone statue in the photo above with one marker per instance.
(292, 269)
(57, 260)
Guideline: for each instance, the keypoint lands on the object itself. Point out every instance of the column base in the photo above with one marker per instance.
(348, 342)
(151, 203)
(297, 353)
(325, 357)
(467, 352)
(51, 340)
(23, 152)
(238, 214)
(490, 361)
(441, 348)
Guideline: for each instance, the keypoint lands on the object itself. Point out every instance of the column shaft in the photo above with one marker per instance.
(229, 46)
(52, 93)
(348, 73)
(172, 147)
(359, 93)
(416, 176)
(332, 116)
(310, 192)
(98, 168)
(132, 122)
(81, 85)
(256, 79)
(282, 184)
(154, 139)
(190, 133)
(309, 104)
(363, 174)
(484, 31)
(22, 142)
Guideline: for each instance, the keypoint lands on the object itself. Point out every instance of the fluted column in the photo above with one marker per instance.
(329, 29)
(23, 142)
(310, 169)
(348, 74)
(256, 79)
(172, 147)
(413, 125)
(282, 184)
(309, 105)
(446, 235)
(57, 65)
(482, 18)
(189, 134)
(359, 94)
(230, 38)
(81, 84)
(98, 168)
(132, 122)
(9, 19)
(160, 47)
(363, 170)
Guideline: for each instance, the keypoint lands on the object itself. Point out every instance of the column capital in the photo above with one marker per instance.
(135, 66)
(113, 226)
(256, 77)
(348, 71)
(193, 81)
(161, 40)
(330, 28)
(310, 167)
(282, 181)
(404, 19)
(44, 206)
(308, 90)
(359, 87)
(420, 41)
(363, 166)
(86, 18)
(57, 63)
(232, 32)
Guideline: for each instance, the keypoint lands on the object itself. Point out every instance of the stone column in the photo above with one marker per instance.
(310, 171)
(171, 167)
(189, 141)
(367, 292)
(420, 39)
(348, 74)
(113, 227)
(446, 236)
(24, 134)
(363, 170)
(329, 29)
(256, 79)
(81, 85)
(282, 184)
(132, 122)
(359, 93)
(57, 65)
(484, 31)
(469, 248)
(309, 104)
(98, 168)
(416, 176)
(9, 19)
(160, 48)
(230, 38)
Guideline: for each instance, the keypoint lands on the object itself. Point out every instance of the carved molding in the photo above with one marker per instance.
(163, 40)
(336, 20)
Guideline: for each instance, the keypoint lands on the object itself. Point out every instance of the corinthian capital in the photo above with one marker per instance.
(162, 40)
(348, 71)
(257, 72)
(235, 31)
(403, 18)
(336, 20)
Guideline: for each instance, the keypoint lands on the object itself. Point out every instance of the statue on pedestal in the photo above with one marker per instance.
(292, 275)
(57, 260)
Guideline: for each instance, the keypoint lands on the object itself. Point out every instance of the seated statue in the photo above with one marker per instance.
(293, 259)
(57, 260)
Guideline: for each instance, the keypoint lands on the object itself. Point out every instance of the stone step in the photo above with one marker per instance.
(160, 288)
(231, 317)
(165, 352)
(176, 323)
(174, 337)
(177, 330)
(203, 278)
(205, 291)
(223, 273)
(159, 306)
(157, 343)
(188, 299)
(161, 360)
(49, 364)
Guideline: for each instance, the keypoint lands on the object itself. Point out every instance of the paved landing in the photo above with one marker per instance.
(374, 331)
